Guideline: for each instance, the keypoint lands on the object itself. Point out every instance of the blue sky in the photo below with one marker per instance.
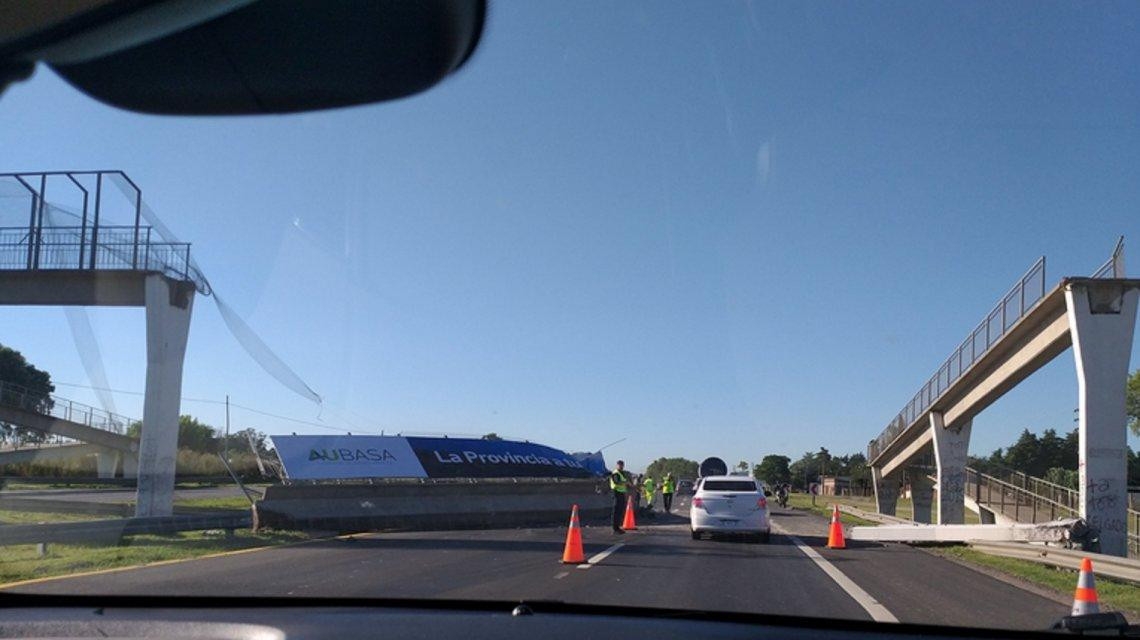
(711, 228)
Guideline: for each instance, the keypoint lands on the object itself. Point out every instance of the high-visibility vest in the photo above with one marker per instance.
(648, 485)
(619, 482)
(667, 485)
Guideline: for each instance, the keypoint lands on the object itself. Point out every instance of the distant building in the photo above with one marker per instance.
(835, 486)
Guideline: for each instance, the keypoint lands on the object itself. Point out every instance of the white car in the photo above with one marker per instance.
(730, 505)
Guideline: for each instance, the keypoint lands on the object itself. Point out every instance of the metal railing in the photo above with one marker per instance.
(1060, 494)
(115, 248)
(1030, 499)
(1114, 266)
(1020, 299)
(14, 395)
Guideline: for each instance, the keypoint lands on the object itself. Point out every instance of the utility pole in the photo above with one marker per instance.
(226, 442)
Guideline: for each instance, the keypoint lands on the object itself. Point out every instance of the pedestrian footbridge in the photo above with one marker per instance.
(85, 238)
(78, 430)
(1028, 328)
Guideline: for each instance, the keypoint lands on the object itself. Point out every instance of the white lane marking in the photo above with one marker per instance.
(877, 611)
(562, 575)
(601, 556)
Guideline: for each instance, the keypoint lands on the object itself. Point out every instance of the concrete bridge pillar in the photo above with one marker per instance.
(168, 306)
(130, 465)
(1102, 318)
(106, 462)
(921, 493)
(950, 446)
(886, 490)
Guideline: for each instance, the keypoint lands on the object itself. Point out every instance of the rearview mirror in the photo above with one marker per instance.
(242, 56)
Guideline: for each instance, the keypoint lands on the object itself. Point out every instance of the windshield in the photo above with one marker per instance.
(476, 343)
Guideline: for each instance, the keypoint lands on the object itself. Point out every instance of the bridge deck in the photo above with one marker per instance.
(1040, 335)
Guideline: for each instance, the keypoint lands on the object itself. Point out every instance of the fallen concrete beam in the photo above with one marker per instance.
(1056, 531)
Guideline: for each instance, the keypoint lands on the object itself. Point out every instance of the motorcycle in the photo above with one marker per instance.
(782, 498)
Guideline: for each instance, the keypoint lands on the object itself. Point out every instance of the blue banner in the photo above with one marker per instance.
(475, 458)
(330, 457)
(594, 462)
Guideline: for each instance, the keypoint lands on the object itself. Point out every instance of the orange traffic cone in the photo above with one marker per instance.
(573, 553)
(1085, 600)
(629, 524)
(835, 534)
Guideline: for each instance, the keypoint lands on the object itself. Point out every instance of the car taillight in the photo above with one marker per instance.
(698, 503)
(762, 502)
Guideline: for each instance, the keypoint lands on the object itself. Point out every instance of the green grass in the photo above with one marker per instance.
(822, 507)
(1118, 595)
(232, 502)
(21, 562)
(16, 485)
(31, 517)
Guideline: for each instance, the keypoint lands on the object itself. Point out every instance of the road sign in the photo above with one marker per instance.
(813, 488)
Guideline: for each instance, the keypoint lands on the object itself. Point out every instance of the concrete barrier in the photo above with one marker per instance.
(432, 505)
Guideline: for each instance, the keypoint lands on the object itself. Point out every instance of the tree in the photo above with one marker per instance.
(1025, 454)
(679, 467)
(1132, 402)
(27, 386)
(1050, 451)
(1070, 450)
(773, 470)
(805, 470)
(1064, 477)
(855, 467)
(824, 457)
(494, 437)
(742, 466)
(192, 434)
(240, 441)
(16, 370)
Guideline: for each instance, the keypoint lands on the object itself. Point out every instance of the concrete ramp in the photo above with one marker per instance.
(52, 425)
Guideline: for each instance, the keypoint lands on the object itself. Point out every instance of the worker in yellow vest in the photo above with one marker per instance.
(619, 484)
(668, 487)
(649, 487)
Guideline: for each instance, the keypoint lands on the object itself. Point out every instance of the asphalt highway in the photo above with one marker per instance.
(658, 565)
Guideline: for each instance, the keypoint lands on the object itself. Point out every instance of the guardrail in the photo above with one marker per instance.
(1110, 566)
(112, 531)
(14, 395)
(1013, 305)
(1023, 505)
